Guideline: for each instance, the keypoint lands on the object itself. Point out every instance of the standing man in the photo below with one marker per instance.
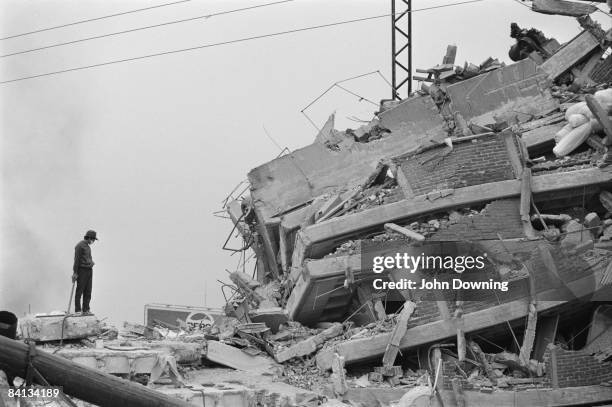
(82, 272)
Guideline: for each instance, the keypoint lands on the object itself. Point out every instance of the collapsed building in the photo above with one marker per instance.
(510, 160)
(505, 162)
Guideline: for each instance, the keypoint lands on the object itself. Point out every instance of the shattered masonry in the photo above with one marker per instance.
(513, 157)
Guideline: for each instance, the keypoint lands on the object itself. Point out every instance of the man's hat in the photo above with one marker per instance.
(91, 234)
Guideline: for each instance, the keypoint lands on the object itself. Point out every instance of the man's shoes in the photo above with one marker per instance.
(85, 313)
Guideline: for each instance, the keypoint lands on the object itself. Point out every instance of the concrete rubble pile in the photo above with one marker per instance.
(220, 364)
(508, 159)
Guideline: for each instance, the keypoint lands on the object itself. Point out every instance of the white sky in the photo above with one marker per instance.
(144, 152)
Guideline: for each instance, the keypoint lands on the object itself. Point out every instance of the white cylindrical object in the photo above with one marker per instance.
(574, 139)
(577, 120)
(604, 97)
(563, 132)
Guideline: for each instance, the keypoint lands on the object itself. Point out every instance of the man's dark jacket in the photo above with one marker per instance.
(82, 257)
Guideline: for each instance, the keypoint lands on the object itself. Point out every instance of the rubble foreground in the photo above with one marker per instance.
(510, 161)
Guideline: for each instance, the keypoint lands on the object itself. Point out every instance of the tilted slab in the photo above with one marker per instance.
(296, 178)
(503, 93)
(235, 358)
(570, 54)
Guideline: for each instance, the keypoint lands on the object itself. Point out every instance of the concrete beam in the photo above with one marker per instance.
(183, 352)
(114, 361)
(49, 328)
(309, 345)
(569, 55)
(311, 242)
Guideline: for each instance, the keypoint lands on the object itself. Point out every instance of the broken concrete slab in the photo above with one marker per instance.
(230, 356)
(570, 54)
(295, 179)
(562, 7)
(183, 352)
(414, 116)
(273, 317)
(224, 387)
(327, 133)
(502, 93)
(115, 361)
(310, 345)
(49, 328)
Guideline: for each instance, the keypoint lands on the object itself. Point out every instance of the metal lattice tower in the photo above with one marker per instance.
(401, 48)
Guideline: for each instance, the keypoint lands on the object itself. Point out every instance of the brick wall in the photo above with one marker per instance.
(577, 368)
(478, 162)
(603, 71)
(501, 217)
(450, 371)
(574, 368)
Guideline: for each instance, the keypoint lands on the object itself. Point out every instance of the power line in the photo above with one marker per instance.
(523, 4)
(606, 13)
(337, 84)
(145, 28)
(92, 19)
(276, 34)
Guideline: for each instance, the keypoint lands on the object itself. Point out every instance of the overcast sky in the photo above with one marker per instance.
(144, 152)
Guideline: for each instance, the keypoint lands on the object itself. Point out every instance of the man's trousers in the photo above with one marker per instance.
(83, 288)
